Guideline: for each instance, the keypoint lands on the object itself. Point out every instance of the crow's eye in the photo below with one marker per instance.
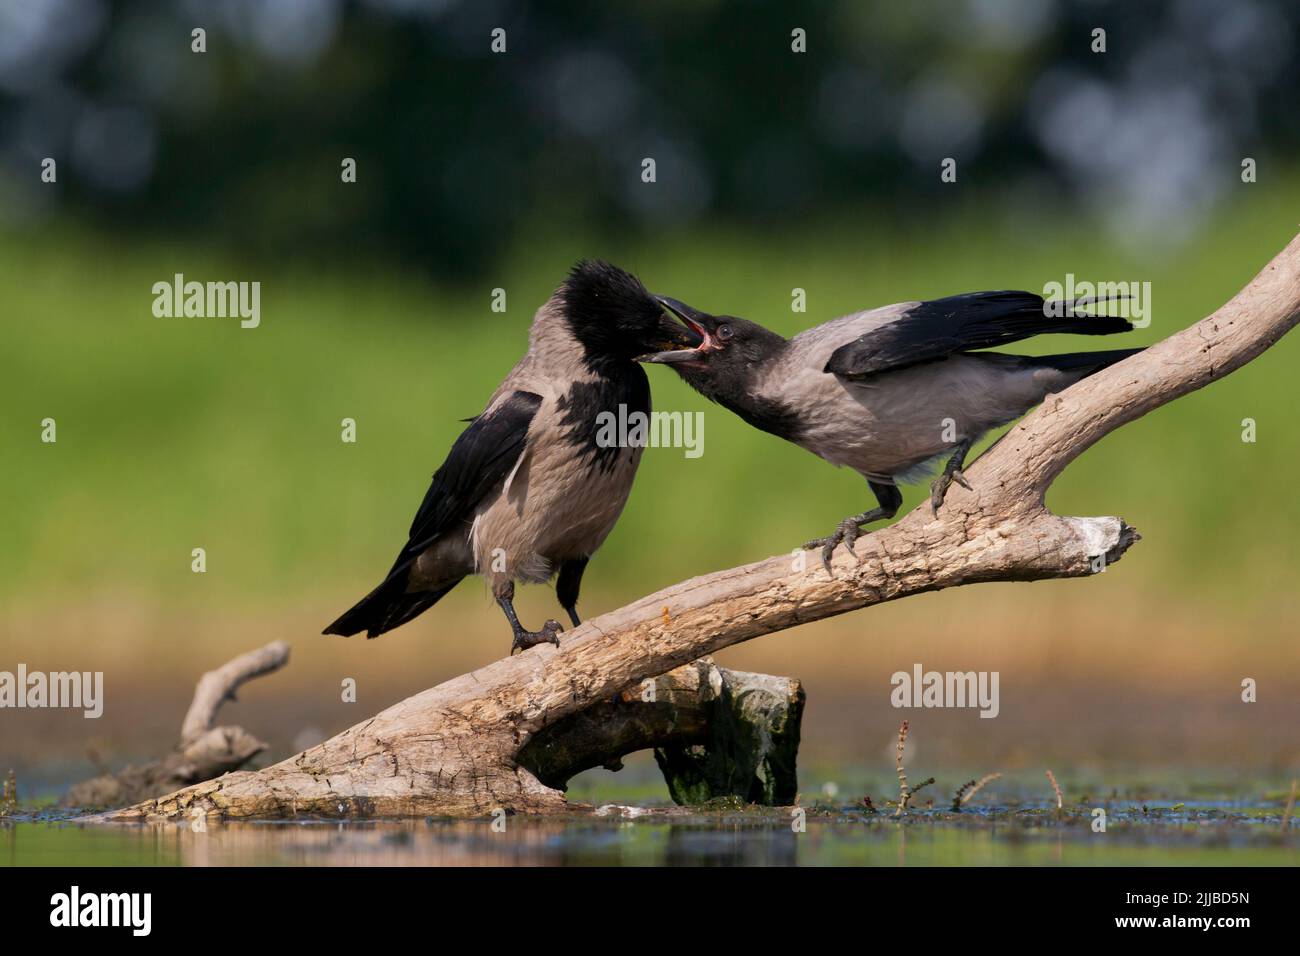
(725, 332)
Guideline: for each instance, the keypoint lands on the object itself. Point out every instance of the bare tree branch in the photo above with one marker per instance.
(453, 749)
(204, 751)
(218, 686)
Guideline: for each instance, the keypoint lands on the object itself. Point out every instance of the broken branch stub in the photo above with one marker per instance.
(715, 732)
(751, 742)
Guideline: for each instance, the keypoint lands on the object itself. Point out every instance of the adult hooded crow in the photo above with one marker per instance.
(526, 491)
(890, 391)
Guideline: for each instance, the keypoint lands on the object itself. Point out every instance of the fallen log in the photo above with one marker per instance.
(455, 748)
(716, 733)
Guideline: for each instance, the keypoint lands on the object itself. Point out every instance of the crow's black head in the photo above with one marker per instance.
(725, 346)
(613, 316)
(724, 364)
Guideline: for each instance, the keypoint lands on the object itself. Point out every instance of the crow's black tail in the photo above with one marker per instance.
(387, 606)
(1085, 363)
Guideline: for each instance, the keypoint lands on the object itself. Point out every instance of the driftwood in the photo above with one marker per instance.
(454, 749)
(204, 751)
(716, 733)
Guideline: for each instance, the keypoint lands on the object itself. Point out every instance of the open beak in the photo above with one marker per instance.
(694, 334)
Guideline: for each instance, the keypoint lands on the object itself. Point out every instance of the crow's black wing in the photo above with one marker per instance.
(938, 328)
(479, 460)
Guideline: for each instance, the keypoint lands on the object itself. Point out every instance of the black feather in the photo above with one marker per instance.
(585, 401)
(1086, 362)
(610, 312)
(388, 606)
(960, 323)
(480, 459)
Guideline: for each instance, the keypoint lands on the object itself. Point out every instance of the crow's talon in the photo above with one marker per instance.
(547, 635)
(951, 472)
(848, 532)
(939, 490)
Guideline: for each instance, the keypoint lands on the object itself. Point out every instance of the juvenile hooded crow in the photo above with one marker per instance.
(890, 391)
(526, 492)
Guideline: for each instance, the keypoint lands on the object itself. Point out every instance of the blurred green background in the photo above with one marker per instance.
(476, 171)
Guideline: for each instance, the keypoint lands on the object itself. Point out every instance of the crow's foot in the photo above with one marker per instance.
(547, 635)
(951, 472)
(848, 531)
(939, 490)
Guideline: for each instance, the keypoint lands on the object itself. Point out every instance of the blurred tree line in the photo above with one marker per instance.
(457, 146)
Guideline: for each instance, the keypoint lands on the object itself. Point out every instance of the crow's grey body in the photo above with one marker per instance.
(526, 491)
(890, 426)
(556, 504)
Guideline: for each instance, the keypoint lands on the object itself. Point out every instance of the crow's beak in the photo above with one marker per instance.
(695, 334)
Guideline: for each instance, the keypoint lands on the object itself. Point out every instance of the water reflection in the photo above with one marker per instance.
(741, 839)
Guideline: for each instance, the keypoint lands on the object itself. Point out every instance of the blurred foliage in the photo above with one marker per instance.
(178, 433)
(462, 151)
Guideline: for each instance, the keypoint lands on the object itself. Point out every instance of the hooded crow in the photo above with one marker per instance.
(527, 492)
(891, 391)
